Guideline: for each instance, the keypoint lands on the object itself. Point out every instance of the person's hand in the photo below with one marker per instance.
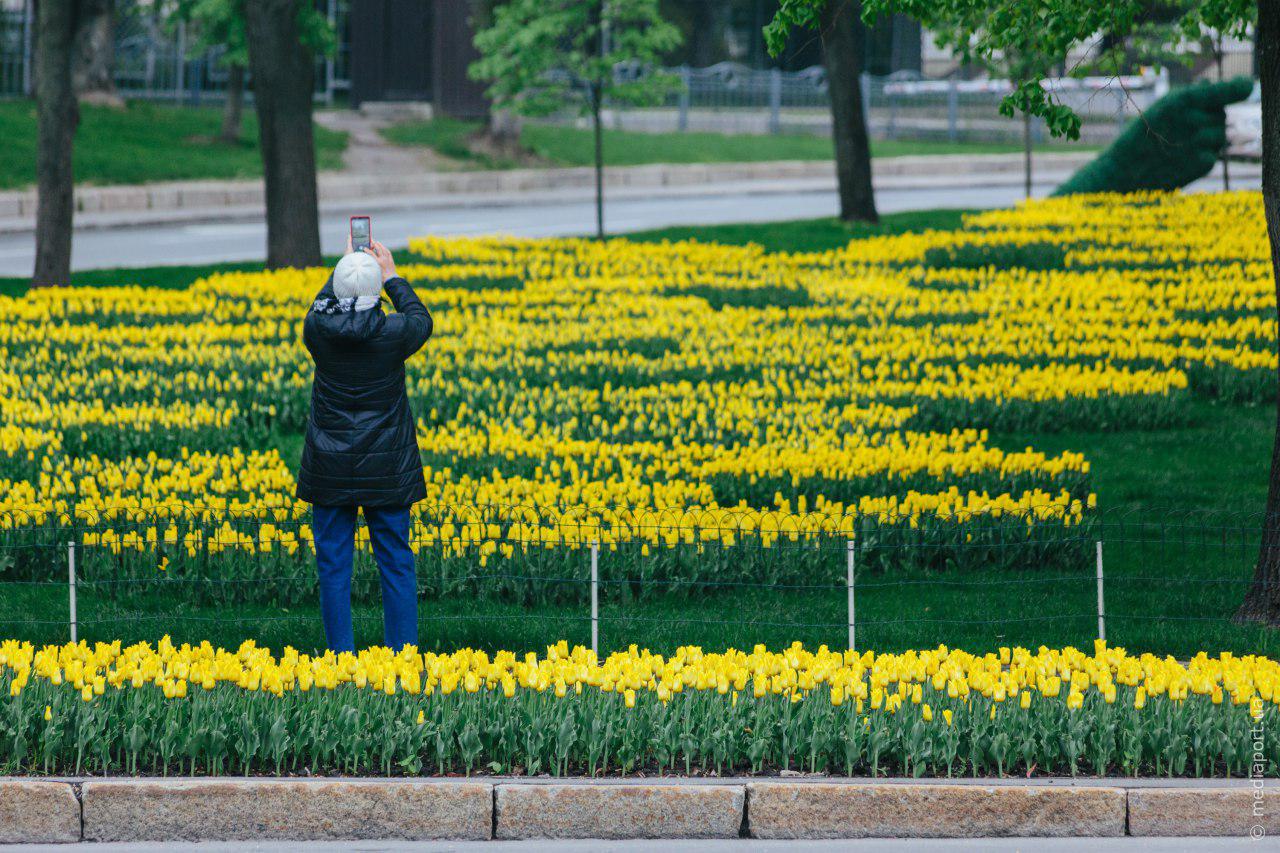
(348, 251)
(382, 255)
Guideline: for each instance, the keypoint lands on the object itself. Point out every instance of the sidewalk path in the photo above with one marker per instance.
(368, 153)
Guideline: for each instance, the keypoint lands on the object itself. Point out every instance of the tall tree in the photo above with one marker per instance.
(840, 27)
(94, 65)
(58, 23)
(283, 36)
(1262, 601)
(547, 56)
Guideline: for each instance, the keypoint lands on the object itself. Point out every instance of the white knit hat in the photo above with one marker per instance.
(357, 274)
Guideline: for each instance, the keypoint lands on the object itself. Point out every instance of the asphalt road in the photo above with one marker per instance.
(532, 215)
(946, 845)
(215, 242)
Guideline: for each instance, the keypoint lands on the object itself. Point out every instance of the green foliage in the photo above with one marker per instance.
(1040, 34)
(220, 23)
(1170, 145)
(543, 56)
(215, 23)
(458, 728)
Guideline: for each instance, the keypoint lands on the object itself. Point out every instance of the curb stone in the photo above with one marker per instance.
(231, 810)
(38, 812)
(1203, 811)
(618, 811)
(815, 811)
(76, 809)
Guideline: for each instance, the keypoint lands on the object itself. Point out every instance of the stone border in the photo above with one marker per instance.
(129, 810)
(618, 811)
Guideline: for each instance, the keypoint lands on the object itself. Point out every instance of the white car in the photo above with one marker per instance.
(1244, 127)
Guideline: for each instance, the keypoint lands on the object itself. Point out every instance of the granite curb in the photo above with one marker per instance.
(481, 808)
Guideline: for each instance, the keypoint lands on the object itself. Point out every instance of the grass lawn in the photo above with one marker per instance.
(146, 142)
(1191, 495)
(568, 146)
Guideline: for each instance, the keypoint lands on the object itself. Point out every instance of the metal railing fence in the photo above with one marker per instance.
(154, 59)
(732, 98)
(497, 577)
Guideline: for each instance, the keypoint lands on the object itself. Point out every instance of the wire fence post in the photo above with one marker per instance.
(848, 583)
(595, 599)
(1102, 610)
(71, 588)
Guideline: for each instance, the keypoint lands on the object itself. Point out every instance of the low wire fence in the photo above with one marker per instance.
(157, 58)
(732, 98)
(505, 578)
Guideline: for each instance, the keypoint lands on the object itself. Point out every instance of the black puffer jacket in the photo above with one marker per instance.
(361, 447)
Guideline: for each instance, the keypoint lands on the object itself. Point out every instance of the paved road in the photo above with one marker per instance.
(199, 243)
(532, 215)
(980, 845)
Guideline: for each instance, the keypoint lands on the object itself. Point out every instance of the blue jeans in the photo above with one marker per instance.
(335, 529)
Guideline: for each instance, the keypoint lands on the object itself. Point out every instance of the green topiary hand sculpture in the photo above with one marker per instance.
(1170, 145)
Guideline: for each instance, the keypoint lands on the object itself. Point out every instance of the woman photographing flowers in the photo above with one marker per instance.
(361, 450)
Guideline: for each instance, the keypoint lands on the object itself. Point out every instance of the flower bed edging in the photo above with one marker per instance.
(642, 810)
(287, 810)
(62, 810)
(1205, 811)
(782, 810)
(34, 811)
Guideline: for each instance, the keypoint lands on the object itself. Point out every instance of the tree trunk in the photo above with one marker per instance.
(504, 129)
(283, 71)
(842, 38)
(93, 74)
(1262, 601)
(233, 107)
(57, 114)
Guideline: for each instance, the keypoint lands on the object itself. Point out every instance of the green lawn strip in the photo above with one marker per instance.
(570, 146)
(977, 611)
(145, 142)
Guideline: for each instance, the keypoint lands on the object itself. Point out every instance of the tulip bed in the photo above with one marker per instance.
(709, 414)
(110, 709)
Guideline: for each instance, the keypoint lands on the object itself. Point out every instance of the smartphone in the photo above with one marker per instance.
(361, 233)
